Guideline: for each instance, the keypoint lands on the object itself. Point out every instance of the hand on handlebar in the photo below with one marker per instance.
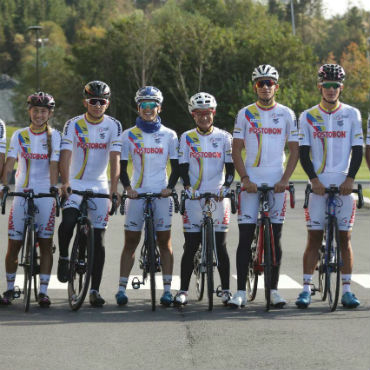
(131, 193)
(346, 187)
(249, 186)
(281, 186)
(222, 192)
(166, 192)
(317, 187)
(191, 193)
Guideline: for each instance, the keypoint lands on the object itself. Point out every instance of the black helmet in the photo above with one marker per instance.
(331, 72)
(41, 99)
(96, 89)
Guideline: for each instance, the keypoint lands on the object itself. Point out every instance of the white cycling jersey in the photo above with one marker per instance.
(91, 144)
(150, 153)
(331, 137)
(265, 132)
(368, 131)
(206, 155)
(31, 150)
(2, 137)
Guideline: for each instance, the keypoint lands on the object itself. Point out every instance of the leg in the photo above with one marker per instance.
(276, 230)
(192, 242)
(46, 263)
(223, 260)
(99, 259)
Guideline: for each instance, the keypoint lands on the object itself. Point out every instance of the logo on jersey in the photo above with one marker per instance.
(329, 134)
(205, 155)
(265, 130)
(275, 120)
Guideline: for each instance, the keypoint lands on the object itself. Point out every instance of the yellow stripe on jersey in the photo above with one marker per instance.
(135, 135)
(25, 144)
(192, 140)
(82, 133)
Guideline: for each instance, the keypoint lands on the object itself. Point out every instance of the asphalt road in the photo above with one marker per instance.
(134, 337)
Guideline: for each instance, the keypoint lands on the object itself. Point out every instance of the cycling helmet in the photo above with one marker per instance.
(265, 71)
(331, 72)
(202, 100)
(41, 99)
(96, 89)
(149, 93)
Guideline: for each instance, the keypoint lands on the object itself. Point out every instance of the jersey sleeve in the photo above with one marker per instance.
(14, 146)
(2, 137)
(357, 137)
(56, 140)
(116, 142)
(368, 131)
(228, 147)
(303, 133)
(125, 146)
(184, 150)
(68, 136)
(239, 127)
(292, 126)
(173, 151)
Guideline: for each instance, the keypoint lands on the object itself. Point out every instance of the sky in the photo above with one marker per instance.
(338, 7)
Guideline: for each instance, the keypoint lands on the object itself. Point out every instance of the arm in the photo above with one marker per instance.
(114, 171)
(174, 176)
(54, 172)
(356, 159)
(2, 160)
(184, 174)
(367, 155)
(229, 175)
(64, 166)
(8, 168)
(304, 154)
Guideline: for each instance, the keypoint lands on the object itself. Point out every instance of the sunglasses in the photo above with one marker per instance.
(95, 101)
(148, 104)
(262, 83)
(328, 85)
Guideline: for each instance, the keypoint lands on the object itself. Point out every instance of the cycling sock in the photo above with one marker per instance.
(122, 284)
(10, 280)
(65, 231)
(307, 281)
(346, 283)
(192, 242)
(243, 253)
(44, 282)
(223, 260)
(99, 259)
(167, 280)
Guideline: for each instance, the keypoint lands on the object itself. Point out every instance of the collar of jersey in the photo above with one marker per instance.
(337, 107)
(38, 131)
(209, 132)
(266, 107)
(92, 120)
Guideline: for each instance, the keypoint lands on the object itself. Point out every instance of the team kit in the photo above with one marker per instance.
(327, 139)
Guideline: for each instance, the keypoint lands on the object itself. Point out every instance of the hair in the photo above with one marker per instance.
(49, 135)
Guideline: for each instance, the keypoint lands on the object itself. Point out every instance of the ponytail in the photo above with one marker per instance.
(49, 134)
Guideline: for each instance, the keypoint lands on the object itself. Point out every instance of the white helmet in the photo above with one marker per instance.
(202, 100)
(265, 71)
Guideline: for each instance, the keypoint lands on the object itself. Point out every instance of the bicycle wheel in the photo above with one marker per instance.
(199, 275)
(28, 263)
(80, 265)
(36, 271)
(252, 275)
(210, 247)
(323, 288)
(267, 271)
(151, 245)
(333, 267)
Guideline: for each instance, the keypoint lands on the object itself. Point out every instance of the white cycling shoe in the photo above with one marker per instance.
(277, 300)
(238, 300)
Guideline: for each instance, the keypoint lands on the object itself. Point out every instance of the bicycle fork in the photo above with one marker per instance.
(203, 265)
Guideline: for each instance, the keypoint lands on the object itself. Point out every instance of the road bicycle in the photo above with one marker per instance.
(82, 253)
(329, 258)
(29, 253)
(149, 259)
(205, 259)
(263, 255)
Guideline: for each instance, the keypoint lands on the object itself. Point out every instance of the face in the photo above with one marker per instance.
(266, 89)
(330, 91)
(39, 115)
(204, 118)
(96, 107)
(148, 110)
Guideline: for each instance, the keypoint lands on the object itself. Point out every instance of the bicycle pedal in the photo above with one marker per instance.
(17, 292)
(219, 291)
(136, 283)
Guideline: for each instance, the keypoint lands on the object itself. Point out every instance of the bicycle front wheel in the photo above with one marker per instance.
(28, 264)
(267, 271)
(80, 264)
(252, 275)
(333, 267)
(210, 247)
(199, 274)
(151, 245)
(323, 287)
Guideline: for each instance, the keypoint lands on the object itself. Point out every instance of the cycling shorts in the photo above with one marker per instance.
(193, 216)
(249, 206)
(98, 209)
(316, 214)
(162, 214)
(44, 218)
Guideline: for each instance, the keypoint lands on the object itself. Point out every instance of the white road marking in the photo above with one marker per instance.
(362, 279)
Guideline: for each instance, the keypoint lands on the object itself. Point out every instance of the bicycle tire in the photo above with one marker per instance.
(252, 274)
(199, 275)
(151, 245)
(81, 265)
(210, 247)
(334, 266)
(323, 288)
(28, 263)
(267, 271)
(36, 274)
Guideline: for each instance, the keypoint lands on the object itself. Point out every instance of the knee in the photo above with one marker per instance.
(314, 239)
(132, 239)
(69, 219)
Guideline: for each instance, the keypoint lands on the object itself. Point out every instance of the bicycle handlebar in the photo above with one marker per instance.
(90, 194)
(334, 190)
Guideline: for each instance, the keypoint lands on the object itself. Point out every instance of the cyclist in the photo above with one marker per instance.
(37, 149)
(262, 129)
(332, 132)
(204, 151)
(2, 157)
(90, 141)
(150, 144)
